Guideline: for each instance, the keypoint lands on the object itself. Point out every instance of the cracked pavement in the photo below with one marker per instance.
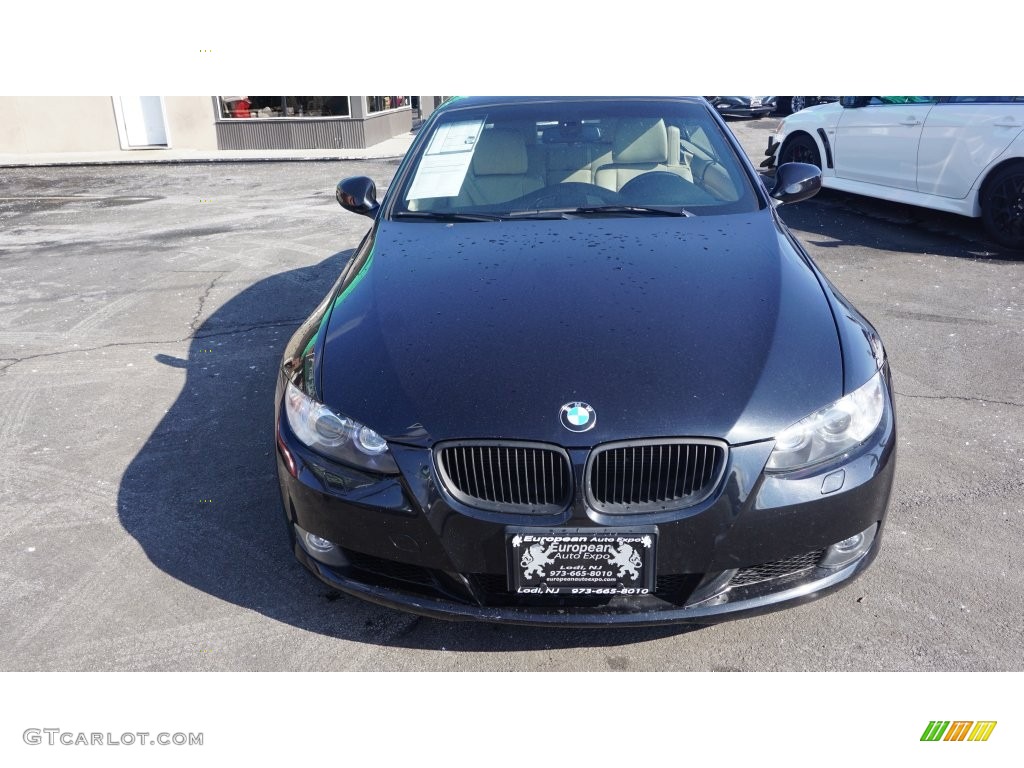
(140, 330)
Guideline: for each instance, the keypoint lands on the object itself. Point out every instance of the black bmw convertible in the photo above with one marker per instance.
(579, 372)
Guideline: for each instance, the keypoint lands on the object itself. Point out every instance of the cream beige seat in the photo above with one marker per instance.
(640, 146)
(569, 163)
(500, 169)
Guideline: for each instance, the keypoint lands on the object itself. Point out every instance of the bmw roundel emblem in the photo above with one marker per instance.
(577, 417)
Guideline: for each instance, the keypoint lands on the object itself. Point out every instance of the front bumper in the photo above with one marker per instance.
(755, 546)
(730, 108)
(620, 611)
(730, 111)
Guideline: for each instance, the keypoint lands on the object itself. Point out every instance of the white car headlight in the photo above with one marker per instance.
(336, 436)
(833, 430)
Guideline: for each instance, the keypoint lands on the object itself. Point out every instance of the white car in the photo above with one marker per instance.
(961, 154)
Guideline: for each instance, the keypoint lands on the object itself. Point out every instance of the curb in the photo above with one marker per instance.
(194, 161)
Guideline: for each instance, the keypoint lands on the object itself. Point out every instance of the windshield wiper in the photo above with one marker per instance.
(445, 216)
(543, 215)
(548, 214)
(643, 210)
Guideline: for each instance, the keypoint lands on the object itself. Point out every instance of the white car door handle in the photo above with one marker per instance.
(910, 121)
(1008, 124)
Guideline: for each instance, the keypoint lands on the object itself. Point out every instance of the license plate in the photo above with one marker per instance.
(755, 102)
(582, 561)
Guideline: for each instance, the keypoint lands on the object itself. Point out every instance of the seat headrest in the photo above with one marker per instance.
(500, 152)
(640, 140)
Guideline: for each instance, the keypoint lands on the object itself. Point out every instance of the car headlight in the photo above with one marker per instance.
(833, 430)
(335, 436)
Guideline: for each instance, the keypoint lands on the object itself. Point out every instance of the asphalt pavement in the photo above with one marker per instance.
(143, 312)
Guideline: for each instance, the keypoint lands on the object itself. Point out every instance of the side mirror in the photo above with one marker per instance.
(359, 195)
(854, 102)
(795, 182)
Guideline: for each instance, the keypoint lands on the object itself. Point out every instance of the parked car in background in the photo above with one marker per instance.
(742, 106)
(578, 371)
(961, 154)
(787, 105)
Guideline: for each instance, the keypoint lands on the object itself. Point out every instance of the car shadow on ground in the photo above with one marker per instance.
(843, 219)
(201, 496)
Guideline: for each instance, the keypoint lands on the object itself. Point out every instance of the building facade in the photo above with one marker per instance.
(82, 124)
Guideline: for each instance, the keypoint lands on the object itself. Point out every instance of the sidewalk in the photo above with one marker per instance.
(391, 148)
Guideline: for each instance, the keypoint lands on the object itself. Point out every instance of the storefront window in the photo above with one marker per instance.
(283, 106)
(382, 103)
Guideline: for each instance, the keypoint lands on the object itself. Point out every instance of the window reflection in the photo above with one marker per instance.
(384, 103)
(232, 107)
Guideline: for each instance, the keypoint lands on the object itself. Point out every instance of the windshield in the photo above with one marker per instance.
(574, 158)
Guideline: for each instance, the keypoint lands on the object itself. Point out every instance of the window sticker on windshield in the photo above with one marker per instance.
(444, 165)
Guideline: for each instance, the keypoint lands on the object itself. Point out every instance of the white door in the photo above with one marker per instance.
(962, 137)
(877, 144)
(142, 121)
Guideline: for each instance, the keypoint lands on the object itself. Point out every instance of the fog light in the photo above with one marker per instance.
(319, 548)
(846, 551)
(318, 544)
(850, 544)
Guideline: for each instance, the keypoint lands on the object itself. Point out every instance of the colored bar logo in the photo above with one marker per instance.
(958, 730)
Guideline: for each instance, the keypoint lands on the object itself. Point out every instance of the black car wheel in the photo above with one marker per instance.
(787, 105)
(1002, 206)
(800, 148)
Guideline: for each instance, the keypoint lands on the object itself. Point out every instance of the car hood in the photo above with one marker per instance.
(706, 326)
